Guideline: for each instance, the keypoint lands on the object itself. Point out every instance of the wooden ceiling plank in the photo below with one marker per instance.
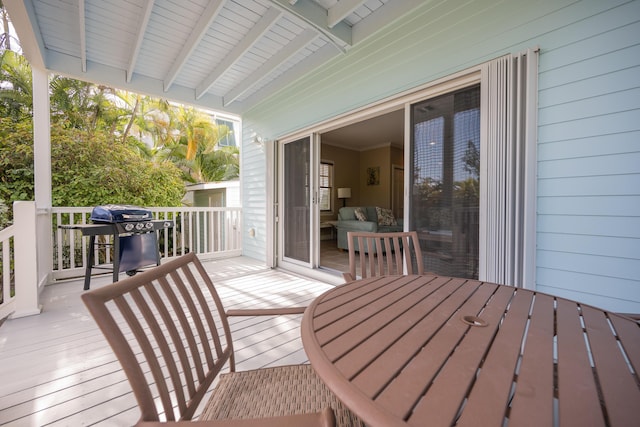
(310, 63)
(283, 55)
(263, 25)
(199, 30)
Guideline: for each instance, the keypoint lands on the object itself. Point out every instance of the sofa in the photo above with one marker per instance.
(348, 221)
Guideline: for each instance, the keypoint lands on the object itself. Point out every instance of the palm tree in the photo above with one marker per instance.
(86, 106)
(16, 90)
(153, 127)
(194, 147)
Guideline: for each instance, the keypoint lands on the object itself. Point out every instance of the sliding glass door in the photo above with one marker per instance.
(298, 213)
(445, 187)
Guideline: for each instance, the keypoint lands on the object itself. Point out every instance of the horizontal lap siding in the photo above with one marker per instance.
(589, 119)
(589, 161)
(254, 195)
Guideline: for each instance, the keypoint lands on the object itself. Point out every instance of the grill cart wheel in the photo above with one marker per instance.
(131, 272)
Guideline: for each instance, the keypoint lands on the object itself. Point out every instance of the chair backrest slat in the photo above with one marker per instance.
(172, 329)
(170, 322)
(168, 317)
(154, 330)
(196, 318)
(384, 254)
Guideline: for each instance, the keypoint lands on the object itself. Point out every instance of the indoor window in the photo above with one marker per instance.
(326, 186)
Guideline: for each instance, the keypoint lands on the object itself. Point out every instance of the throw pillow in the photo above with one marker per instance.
(359, 213)
(385, 217)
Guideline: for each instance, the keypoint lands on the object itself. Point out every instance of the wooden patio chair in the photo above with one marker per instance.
(169, 330)
(383, 254)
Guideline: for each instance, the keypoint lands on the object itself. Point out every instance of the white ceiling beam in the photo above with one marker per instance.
(199, 30)
(316, 16)
(142, 28)
(25, 24)
(341, 10)
(82, 35)
(262, 26)
(275, 61)
(101, 74)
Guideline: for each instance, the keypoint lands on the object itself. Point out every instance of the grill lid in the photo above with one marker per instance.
(120, 213)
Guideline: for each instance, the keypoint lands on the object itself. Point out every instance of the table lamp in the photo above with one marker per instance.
(344, 194)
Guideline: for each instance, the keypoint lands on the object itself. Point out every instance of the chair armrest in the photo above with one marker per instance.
(266, 311)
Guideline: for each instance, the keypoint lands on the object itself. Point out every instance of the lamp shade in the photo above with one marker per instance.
(344, 193)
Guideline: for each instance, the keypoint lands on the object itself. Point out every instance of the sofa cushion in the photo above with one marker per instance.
(346, 213)
(385, 216)
(360, 215)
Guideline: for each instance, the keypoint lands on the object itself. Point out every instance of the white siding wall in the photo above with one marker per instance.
(588, 226)
(254, 194)
(589, 160)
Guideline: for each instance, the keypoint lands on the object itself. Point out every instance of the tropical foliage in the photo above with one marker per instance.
(107, 146)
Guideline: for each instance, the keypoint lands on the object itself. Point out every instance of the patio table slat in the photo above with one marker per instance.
(619, 390)
(370, 349)
(400, 396)
(341, 322)
(407, 297)
(483, 354)
(532, 402)
(579, 405)
(392, 362)
(625, 331)
(489, 398)
(449, 390)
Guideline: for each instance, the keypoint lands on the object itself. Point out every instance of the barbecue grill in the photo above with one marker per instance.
(134, 241)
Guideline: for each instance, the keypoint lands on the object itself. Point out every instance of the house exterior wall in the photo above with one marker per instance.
(253, 176)
(588, 203)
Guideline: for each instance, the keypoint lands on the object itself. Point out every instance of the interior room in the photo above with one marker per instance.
(363, 166)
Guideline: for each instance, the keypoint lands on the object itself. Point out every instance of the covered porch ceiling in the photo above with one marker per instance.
(224, 55)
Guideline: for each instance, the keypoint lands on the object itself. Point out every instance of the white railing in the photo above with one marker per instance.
(7, 270)
(23, 277)
(210, 232)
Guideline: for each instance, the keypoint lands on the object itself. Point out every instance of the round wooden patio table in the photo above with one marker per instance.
(439, 351)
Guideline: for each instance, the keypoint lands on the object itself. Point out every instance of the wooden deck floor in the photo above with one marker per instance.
(56, 369)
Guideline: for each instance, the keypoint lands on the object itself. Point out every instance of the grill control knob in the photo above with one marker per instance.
(128, 227)
(139, 226)
(149, 225)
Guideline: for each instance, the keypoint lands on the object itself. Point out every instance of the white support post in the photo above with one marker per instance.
(26, 262)
(42, 172)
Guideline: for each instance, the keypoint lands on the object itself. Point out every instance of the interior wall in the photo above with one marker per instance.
(378, 194)
(346, 166)
(350, 170)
